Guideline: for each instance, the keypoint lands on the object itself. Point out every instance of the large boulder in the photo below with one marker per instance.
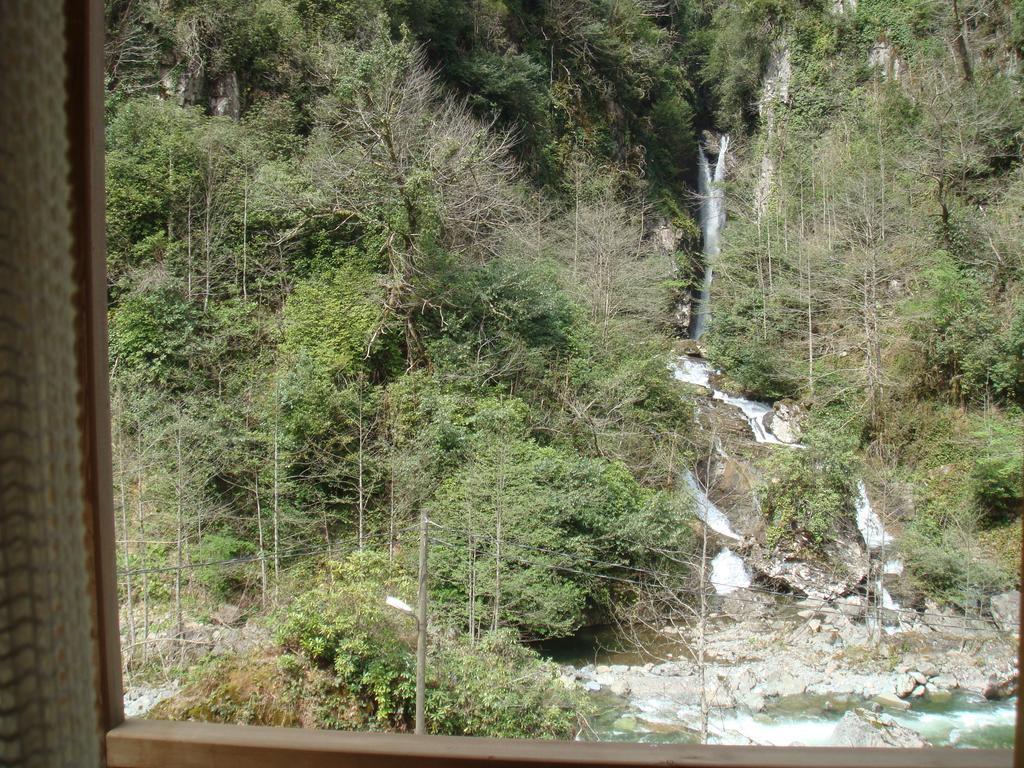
(784, 421)
(836, 575)
(1001, 686)
(860, 728)
(1006, 611)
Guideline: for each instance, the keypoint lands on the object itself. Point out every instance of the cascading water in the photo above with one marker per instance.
(707, 511)
(712, 219)
(729, 572)
(868, 521)
(876, 537)
(693, 371)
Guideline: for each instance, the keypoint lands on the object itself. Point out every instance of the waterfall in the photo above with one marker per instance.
(729, 572)
(693, 371)
(707, 511)
(869, 523)
(712, 219)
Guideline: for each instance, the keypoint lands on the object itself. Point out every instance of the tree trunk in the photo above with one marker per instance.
(963, 54)
(277, 490)
(122, 485)
(180, 528)
(259, 532)
(142, 537)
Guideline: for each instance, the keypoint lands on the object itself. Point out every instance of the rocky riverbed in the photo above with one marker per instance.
(816, 663)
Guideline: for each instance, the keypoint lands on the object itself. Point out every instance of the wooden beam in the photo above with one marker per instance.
(154, 744)
(84, 30)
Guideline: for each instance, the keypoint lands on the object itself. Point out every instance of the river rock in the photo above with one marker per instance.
(1005, 609)
(938, 695)
(945, 681)
(785, 684)
(860, 728)
(744, 681)
(751, 701)
(1001, 687)
(904, 685)
(892, 701)
(625, 723)
(138, 700)
(620, 687)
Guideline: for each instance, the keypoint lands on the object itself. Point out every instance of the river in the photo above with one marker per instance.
(965, 720)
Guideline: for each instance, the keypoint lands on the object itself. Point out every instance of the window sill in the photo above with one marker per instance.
(159, 744)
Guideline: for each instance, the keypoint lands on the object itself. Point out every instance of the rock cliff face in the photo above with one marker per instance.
(189, 85)
(225, 100)
(1006, 611)
(728, 467)
(884, 56)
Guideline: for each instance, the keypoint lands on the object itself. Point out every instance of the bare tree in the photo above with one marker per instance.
(421, 170)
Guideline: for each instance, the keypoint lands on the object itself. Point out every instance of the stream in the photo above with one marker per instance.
(805, 720)
(965, 720)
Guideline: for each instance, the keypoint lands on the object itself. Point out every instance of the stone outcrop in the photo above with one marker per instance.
(884, 56)
(775, 82)
(860, 728)
(1005, 609)
(840, 572)
(225, 99)
(1001, 686)
(785, 420)
(186, 83)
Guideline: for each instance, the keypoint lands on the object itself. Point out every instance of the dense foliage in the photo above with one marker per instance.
(370, 261)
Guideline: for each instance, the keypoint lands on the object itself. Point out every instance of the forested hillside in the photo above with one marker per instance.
(873, 270)
(373, 260)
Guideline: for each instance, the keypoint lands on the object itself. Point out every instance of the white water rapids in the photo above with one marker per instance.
(869, 523)
(876, 537)
(712, 219)
(964, 720)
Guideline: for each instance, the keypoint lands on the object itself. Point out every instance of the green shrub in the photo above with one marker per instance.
(808, 494)
(998, 469)
(494, 687)
(499, 688)
(329, 317)
(152, 333)
(343, 625)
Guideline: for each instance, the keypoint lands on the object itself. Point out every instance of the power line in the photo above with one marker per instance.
(253, 558)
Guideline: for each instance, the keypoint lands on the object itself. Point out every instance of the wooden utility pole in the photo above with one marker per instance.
(421, 629)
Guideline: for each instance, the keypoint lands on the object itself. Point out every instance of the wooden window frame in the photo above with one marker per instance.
(152, 744)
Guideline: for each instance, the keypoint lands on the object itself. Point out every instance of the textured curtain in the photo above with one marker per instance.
(47, 675)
